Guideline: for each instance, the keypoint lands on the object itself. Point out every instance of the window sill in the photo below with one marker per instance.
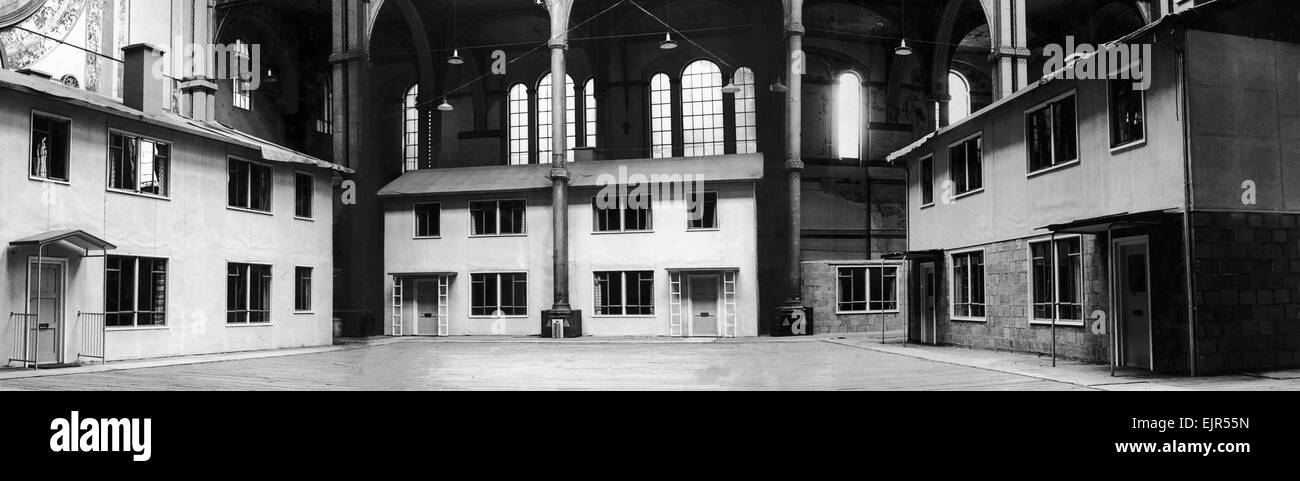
(968, 194)
(304, 313)
(1129, 146)
(251, 211)
(865, 313)
(1053, 168)
(715, 229)
(489, 318)
(927, 206)
(139, 194)
(246, 325)
(615, 316)
(49, 181)
(304, 219)
(137, 328)
(968, 319)
(1048, 322)
(494, 236)
(622, 232)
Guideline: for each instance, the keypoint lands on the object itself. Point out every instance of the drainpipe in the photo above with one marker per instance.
(794, 165)
(1056, 298)
(1188, 199)
(559, 175)
(1112, 322)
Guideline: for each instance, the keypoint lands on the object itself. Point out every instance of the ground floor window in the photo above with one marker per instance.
(135, 292)
(625, 293)
(1056, 274)
(867, 289)
(968, 285)
(248, 294)
(302, 289)
(506, 293)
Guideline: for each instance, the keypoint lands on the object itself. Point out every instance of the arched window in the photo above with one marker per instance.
(848, 116)
(959, 105)
(702, 123)
(324, 123)
(411, 129)
(544, 118)
(746, 116)
(589, 112)
(241, 94)
(519, 123)
(661, 121)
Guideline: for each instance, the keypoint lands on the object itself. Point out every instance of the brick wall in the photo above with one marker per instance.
(819, 292)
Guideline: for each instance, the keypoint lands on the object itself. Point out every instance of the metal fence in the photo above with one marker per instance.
(92, 326)
(23, 348)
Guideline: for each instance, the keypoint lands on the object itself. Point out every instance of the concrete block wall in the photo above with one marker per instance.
(820, 283)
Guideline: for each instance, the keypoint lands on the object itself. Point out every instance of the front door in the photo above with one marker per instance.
(929, 298)
(426, 307)
(45, 302)
(705, 315)
(1135, 303)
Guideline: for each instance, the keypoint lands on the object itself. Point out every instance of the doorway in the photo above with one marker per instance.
(1133, 260)
(45, 301)
(702, 290)
(929, 308)
(430, 305)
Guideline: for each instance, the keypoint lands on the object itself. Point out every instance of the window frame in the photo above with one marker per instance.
(469, 210)
(67, 148)
(622, 219)
(311, 195)
(703, 148)
(543, 99)
(717, 214)
(135, 313)
(241, 98)
(1054, 267)
(297, 286)
(1110, 116)
(415, 220)
(867, 269)
(513, 156)
(270, 187)
(952, 171)
(926, 181)
(861, 108)
(970, 100)
(952, 285)
(108, 165)
(1051, 130)
(498, 275)
(748, 91)
(669, 133)
(325, 124)
(248, 295)
(410, 130)
(623, 279)
(589, 114)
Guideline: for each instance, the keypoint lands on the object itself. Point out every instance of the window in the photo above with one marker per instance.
(137, 164)
(303, 189)
(1127, 114)
(544, 133)
(428, 220)
(848, 117)
(864, 289)
(498, 217)
(520, 125)
(50, 145)
(1051, 134)
(589, 112)
(927, 181)
(1057, 278)
(248, 294)
(506, 294)
(411, 129)
(323, 124)
(661, 117)
(966, 162)
(135, 292)
(959, 102)
(625, 293)
(241, 94)
(968, 285)
(302, 289)
(746, 112)
(702, 122)
(629, 210)
(704, 213)
(249, 186)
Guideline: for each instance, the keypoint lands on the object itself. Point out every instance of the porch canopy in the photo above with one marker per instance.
(1099, 225)
(77, 238)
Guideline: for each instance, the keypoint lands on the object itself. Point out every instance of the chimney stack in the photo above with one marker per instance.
(144, 85)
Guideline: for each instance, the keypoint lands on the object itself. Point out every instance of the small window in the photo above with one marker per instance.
(242, 93)
(248, 294)
(1051, 134)
(866, 289)
(966, 160)
(927, 181)
(661, 117)
(249, 186)
(302, 289)
(630, 210)
(428, 220)
(746, 112)
(848, 116)
(50, 146)
(589, 112)
(411, 129)
(137, 164)
(498, 217)
(503, 294)
(303, 188)
(1057, 275)
(703, 215)
(135, 292)
(968, 285)
(625, 293)
(520, 125)
(326, 110)
(1127, 114)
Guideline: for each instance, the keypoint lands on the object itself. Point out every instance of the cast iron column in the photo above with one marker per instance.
(794, 29)
(559, 175)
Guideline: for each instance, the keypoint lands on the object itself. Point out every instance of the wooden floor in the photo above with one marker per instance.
(577, 366)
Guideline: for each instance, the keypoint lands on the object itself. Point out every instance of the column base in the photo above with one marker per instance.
(561, 323)
(793, 319)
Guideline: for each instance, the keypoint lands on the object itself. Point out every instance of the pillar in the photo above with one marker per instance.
(559, 174)
(1010, 55)
(793, 311)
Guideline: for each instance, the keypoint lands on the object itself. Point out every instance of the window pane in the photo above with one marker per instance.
(661, 117)
(746, 141)
(545, 119)
(520, 125)
(848, 117)
(411, 129)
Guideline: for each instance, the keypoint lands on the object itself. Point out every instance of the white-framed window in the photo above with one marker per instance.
(703, 130)
(1051, 133)
(302, 289)
(623, 212)
(927, 180)
(520, 124)
(966, 164)
(1056, 280)
(505, 293)
(544, 120)
(848, 116)
(968, 286)
(249, 185)
(248, 293)
(866, 289)
(704, 214)
(959, 99)
(625, 293)
(490, 218)
(1127, 114)
(428, 220)
(138, 165)
(411, 129)
(304, 189)
(51, 144)
(241, 93)
(135, 292)
(589, 112)
(746, 112)
(661, 116)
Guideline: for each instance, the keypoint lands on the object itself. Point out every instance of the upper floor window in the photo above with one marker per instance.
(589, 112)
(249, 186)
(428, 220)
(927, 181)
(661, 117)
(746, 112)
(411, 129)
(966, 165)
(702, 115)
(303, 191)
(703, 215)
(137, 164)
(241, 94)
(544, 120)
(959, 102)
(1051, 135)
(498, 217)
(1127, 114)
(848, 117)
(324, 123)
(622, 213)
(520, 124)
(51, 137)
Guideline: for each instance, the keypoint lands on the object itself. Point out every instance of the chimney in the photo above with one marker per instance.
(143, 82)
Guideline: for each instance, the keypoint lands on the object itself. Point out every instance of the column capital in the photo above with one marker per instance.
(353, 55)
(795, 28)
(559, 173)
(794, 163)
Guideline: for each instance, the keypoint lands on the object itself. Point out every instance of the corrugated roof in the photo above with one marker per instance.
(469, 180)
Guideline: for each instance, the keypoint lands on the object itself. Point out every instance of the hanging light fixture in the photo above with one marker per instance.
(455, 58)
(903, 49)
(668, 43)
(731, 88)
(445, 107)
(779, 87)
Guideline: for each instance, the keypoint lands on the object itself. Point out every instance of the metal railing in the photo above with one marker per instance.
(23, 347)
(93, 327)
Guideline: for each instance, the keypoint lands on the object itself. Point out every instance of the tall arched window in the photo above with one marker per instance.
(544, 118)
(661, 113)
(848, 116)
(241, 94)
(702, 123)
(959, 105)
(746, 112)
(411, 129)
(589, 112)
(519, 123)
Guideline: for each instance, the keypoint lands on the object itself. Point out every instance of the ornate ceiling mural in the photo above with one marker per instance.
(30, 29)
(14, 11)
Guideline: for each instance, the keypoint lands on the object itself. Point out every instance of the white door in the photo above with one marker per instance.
(705, 314)
(1135, 303)
(45, 300)
(929, 302)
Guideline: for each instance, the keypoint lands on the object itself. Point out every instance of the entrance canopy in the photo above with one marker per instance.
(77, 238)
(1098, 225)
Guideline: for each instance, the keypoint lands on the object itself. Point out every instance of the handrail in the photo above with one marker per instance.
(93, 327)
